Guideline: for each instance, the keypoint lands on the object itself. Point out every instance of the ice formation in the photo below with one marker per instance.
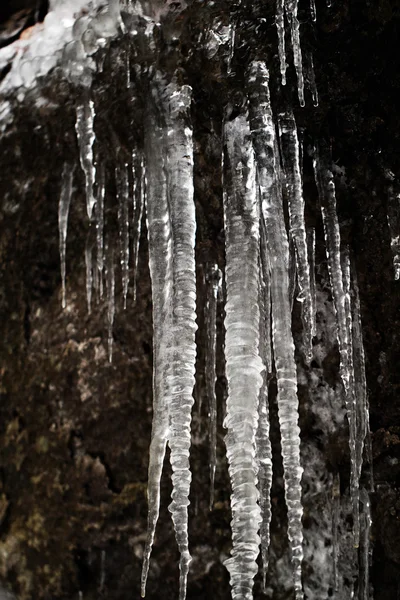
(268, 265)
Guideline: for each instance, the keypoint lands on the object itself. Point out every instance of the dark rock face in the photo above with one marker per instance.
(74, 429)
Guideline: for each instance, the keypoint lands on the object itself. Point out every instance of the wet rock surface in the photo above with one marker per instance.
(75, 429)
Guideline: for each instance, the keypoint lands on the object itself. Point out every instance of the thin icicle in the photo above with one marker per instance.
(365, 550)
(280, 26)
(340, 283)
(179, 161)
(243, 363)
(363, 438)
(289, 145)
(311, 261)
(313, 10)
(263, 444)
(99, 216)
(139, 193)
(264, 141)
(122, 185)
(63, 211)
(213, 284)
(110, 287)
(291, 14)
(89, 269)
(312, 81)
(85, 133)
(160, 263)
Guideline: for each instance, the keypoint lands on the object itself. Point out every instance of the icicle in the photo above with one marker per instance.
(335, 528)
(232, 36)
(110, 286)
(139, 192)
(313, 10)
(340, 283)
(99, 215)
(394, 228)
(122, 185)
(89, 270)
(311, 261)
(160, 263)
(63, 210)
(363, 437)
(171, 226)
(312, 81)
(280, 25)
(264, 141)
(291, 13)
(179, 160)
(213, 284)
(365, 545)
(289, 145)
(85, 133)
(243, 363)
(263, 444)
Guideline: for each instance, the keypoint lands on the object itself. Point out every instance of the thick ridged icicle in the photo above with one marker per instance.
(291, 14)
(122, 185)
(85, 133)
(289, 145)
(160, 257)
(264, 140)
(263, 443)
(63, 211)
(99, 215)
(280, 26)
(171, 226)
(179, 163)
(213, 284)
(340, 284)
(243, 363)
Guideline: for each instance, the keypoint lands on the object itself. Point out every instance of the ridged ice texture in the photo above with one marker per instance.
(264, 140)
(280, 26)
(179, 164)
(291, 14)
(63, 210)
(85, 133)
(263, 443)
(289, 145)
(160, 263)
(243, 363)
(171, 227)
(340, 284)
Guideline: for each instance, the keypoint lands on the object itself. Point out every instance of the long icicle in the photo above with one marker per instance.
(243, 363)
(122, 185)
(341, 300)
(63, 211)
(160, 263)
(179, 161)
(99, 215)
(263, 443)
(213, 280)
(290, 154)
(264, 140)
(280, 26)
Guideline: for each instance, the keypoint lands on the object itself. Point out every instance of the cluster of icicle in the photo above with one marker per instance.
(262, 173)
